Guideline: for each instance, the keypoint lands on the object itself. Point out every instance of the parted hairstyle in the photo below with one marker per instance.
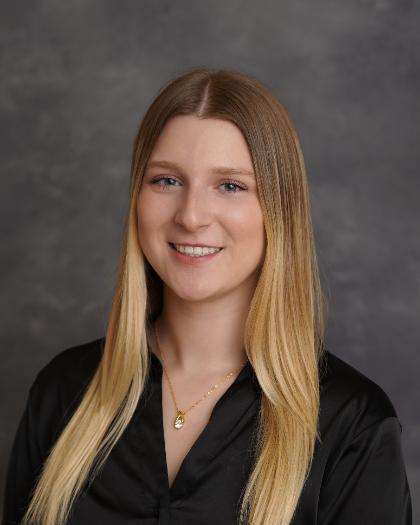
(284, 330)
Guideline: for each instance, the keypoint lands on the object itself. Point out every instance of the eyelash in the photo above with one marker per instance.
(228, 181)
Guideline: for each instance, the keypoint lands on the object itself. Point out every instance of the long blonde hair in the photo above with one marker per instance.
(284, 330)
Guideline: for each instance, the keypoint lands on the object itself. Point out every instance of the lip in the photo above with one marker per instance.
(194, 245)
(188, 259)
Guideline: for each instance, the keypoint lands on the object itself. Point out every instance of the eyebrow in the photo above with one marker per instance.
(217, 170)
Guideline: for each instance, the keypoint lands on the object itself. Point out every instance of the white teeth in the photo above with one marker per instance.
(195, 251)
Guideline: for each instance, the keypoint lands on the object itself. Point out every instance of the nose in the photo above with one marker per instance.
(194, 209)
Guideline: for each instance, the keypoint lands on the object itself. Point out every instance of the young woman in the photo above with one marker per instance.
(211, 398)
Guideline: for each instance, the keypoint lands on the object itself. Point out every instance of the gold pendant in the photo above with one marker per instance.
(179, 420)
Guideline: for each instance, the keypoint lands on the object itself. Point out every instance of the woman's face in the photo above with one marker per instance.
(186, 198)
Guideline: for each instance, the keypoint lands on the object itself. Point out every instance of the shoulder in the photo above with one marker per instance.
(359, 468)
(59, 384)
(71, 367)
(350, 401)
(73, 364)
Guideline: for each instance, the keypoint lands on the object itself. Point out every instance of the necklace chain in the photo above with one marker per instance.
(180, 417)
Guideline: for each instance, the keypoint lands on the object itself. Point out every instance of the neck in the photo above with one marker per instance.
(200, 339)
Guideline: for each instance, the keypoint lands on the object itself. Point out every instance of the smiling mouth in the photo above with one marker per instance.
(204, 246)
(186, 254)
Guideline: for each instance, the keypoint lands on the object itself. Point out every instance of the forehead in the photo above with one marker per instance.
(189, 140)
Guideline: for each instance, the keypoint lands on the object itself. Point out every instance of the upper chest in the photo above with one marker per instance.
(179, 441)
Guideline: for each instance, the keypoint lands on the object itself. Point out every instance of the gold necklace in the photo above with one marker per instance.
(179, 420)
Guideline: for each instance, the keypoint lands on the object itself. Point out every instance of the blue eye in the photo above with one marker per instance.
(232, 183)
(155, 181)
(237, 187)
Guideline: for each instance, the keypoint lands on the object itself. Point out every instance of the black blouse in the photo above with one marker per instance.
(357, 476)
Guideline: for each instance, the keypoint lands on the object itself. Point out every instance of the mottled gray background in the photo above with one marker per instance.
(76, 78)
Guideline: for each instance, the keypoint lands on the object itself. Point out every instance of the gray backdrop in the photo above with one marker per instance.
(76, 79)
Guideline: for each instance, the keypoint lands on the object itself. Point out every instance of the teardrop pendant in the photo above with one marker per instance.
(179, 420)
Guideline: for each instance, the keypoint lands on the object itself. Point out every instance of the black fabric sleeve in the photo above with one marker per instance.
(368, 482)
(25, 462)
(38, 428)
(53, 396)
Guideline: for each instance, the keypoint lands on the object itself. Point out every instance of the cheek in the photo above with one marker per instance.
(248, 225)
(152, 208)
(145, 218)
(147, 210)
(247, 234)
